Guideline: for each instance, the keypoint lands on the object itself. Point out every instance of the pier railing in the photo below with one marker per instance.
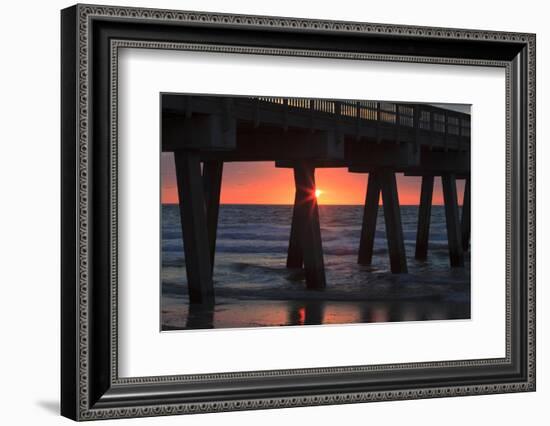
(426, 117)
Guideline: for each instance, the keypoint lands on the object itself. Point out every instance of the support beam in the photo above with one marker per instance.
(431, 163)
(194, 228)
(310, 229)
(273, 143)
(424, 215)
(317, 163)
(456, 254)
(212, 184)
(466, 215)
(370, 213)
(392, 217)
(199, 131)
(362, 156)
(295, 258)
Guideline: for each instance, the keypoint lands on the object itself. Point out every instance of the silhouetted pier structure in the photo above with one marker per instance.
(377, 138)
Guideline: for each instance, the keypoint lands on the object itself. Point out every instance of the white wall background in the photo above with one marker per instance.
(29, 212)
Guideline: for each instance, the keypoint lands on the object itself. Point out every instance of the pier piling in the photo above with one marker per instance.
(370, 214)
(212, 183)
(309, 229)
(454, 237)
(295, 258)
(194, 228)
(465, 225)
(392, 218)
(424, 217)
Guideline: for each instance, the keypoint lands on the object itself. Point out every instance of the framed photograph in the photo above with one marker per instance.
(263, 212)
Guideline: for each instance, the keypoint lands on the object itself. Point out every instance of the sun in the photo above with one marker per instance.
(318, 192)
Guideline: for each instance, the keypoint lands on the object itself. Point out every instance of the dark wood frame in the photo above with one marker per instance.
(90, 386)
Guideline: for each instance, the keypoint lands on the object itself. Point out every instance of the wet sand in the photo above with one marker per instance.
(259, 313)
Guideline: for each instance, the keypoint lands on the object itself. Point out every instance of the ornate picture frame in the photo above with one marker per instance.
(91, 37)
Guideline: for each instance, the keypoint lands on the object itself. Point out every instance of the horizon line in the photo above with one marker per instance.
(291, 204)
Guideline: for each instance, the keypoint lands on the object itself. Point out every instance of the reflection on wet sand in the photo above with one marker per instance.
(200, 316)
(279, 313)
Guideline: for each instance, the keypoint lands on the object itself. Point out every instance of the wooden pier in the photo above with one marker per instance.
(379, 139)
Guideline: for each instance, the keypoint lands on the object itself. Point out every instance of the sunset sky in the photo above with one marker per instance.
(263, 183)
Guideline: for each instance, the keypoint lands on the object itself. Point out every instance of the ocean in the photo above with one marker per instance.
(254, 288)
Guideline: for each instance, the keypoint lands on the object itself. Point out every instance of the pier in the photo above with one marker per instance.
(377, 139)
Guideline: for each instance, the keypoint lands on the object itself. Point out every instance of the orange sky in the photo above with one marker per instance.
(263, 183)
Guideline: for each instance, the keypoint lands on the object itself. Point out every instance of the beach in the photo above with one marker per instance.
(254, 288)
